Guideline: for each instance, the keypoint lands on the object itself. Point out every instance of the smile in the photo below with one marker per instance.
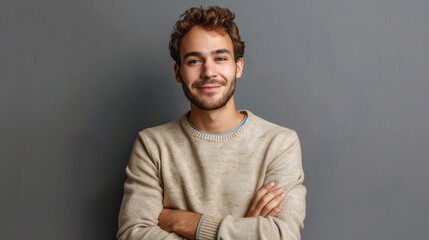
(208, 88)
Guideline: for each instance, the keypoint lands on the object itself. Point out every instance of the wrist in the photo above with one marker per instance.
(186, 223)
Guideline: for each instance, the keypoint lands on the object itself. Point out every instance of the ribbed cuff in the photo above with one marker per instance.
(199, 226)
(209, 228)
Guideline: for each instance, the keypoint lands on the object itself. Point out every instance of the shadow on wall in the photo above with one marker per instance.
(127, 103)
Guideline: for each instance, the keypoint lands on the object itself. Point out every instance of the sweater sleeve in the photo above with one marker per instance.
(143, 196)
(286, 170)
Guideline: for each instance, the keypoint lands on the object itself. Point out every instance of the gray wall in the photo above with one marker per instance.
(79, 79)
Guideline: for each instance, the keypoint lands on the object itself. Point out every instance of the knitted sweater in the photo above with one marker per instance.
(176, 166)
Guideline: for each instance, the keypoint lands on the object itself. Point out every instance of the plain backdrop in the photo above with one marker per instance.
(79, 79)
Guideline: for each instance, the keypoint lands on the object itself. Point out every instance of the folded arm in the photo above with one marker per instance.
(185, 223)
(141, 215)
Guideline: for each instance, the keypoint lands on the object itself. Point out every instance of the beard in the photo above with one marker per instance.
(206, 105)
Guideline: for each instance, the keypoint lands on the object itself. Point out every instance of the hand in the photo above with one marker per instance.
(266, 203)
(179, 221)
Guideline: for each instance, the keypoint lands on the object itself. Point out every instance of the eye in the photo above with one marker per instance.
(220, 59)
(194, 61)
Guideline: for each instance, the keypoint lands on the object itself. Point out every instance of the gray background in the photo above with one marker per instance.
(79, 79)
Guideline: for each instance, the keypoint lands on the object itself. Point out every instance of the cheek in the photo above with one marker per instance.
(233, 71)
(190, 75)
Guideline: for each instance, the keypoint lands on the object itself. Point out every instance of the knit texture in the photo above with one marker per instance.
(176, 166)
(209, 227)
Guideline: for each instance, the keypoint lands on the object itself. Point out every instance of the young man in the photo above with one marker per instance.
(215, 173)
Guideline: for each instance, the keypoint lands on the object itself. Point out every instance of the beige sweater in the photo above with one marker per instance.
(175, 166)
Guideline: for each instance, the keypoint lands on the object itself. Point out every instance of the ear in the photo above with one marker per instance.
(177, 73)
(239, 66)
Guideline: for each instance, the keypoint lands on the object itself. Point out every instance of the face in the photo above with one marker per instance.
(208, 71)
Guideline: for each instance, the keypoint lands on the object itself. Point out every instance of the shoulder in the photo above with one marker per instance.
(282, 142)
(162, 132)
(271, 130)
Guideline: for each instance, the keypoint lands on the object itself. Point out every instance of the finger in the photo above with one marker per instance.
(263, 191)
(272, 204)
(265, 200)
(259, 194)
(275, 211)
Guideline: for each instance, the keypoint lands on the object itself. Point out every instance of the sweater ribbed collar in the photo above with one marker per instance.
(218, 138)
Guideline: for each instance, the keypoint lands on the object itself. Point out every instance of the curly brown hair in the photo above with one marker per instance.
(213, 18)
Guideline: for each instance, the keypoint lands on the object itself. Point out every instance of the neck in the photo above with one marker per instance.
(216, 121)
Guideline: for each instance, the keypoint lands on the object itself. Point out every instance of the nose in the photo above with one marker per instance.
(208, 70)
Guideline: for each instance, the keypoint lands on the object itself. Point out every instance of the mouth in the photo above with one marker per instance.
(208, 88)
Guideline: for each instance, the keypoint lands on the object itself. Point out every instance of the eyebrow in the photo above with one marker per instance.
(197, 54)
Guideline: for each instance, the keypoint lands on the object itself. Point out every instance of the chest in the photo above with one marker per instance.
(218, 178)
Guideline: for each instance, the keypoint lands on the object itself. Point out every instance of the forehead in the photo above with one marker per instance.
(204, 41)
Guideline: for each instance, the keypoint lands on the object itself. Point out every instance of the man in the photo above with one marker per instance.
(215, 173)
